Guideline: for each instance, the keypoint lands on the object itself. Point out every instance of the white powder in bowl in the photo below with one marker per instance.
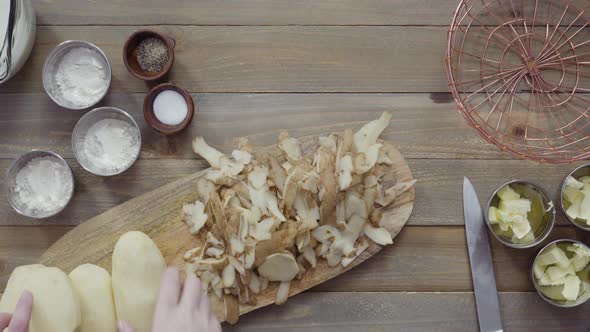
(44, 185)
(81, 77)
(111, 145)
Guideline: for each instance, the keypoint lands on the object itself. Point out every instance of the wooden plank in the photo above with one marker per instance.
(422, 259)
(269, 59)
(246, 12)
(336, 312)
(407, 312)
(438, 189)
(423, 126)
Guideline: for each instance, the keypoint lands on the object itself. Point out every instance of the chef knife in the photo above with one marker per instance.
(480, 257)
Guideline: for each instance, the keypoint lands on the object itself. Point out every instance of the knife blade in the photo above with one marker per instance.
(480, 258)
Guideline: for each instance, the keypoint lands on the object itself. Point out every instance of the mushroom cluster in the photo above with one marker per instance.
(268, 217)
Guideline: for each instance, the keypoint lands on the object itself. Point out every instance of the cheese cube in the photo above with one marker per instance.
(521, 229)
(519, 206)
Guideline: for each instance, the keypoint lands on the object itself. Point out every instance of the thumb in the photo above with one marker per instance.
(124, 326)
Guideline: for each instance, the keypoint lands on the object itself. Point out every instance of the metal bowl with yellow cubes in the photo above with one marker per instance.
(520, 214)
(561, 273)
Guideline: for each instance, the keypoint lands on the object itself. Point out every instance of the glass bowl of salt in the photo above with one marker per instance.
(39, 184)
(106, 141)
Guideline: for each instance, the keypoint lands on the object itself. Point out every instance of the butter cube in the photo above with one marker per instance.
(506, 194)
(571, 287)
(553, 255)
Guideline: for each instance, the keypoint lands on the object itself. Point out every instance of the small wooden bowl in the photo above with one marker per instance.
(130, 58)
(152, 120)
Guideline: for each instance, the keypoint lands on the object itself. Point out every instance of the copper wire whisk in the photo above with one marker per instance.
(519, 71)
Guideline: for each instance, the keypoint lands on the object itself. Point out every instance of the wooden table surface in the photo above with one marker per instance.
(256, 67)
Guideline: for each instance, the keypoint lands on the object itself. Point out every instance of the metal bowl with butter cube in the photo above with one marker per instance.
(520, 214)
(575, 197)
(561, 274)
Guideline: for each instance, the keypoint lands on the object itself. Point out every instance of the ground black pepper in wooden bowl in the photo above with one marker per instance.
(152, 54)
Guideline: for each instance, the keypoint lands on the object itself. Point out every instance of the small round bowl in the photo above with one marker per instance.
(152, 120)
(577, 173)
(10, 183)
(529, 190)
(52, 62)
(130, 59)
(561, 304)
(81, 129)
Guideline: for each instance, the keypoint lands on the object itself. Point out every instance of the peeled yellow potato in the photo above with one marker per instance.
(138, 265)
(56, 307)
(93, 286)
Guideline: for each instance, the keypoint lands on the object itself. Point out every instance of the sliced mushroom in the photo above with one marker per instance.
(279, 267)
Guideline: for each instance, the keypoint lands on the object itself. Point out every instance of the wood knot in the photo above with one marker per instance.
(518, 131)
(441, 97)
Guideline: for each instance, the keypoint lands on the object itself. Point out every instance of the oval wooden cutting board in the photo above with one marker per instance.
(158, 214)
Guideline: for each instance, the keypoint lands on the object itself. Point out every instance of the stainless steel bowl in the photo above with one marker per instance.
(10, 183)
(530, 189)
(52, 62)
(81, 129)
(577, 173)
(561, 304)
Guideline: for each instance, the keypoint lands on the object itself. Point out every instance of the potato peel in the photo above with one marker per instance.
(269, 217)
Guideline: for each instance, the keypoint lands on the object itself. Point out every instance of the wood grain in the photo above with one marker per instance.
(261, 12)
(422, 259)
(411, 312)
(158, 214)
(246, 12)
(423, 125)
(269, 59)
(397, 311)
(438, 189)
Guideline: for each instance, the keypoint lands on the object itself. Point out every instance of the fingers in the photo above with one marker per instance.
(204, 304)
(22, 313)
(4, 320)
(191, 294)
(169, 288)
(214, 325)
(124, 326)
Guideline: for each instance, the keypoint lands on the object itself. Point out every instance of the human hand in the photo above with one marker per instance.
(18, 321)
(189, 312)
